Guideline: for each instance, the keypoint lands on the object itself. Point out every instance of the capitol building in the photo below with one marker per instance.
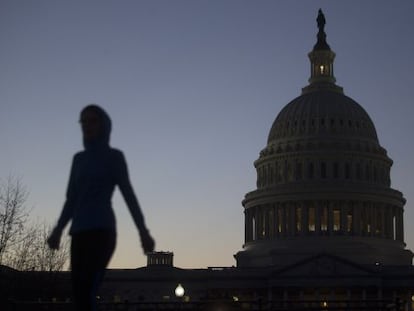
(323, 181)
(322, 226)
(323, 223)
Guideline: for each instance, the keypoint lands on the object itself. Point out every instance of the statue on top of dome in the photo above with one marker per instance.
(321, 20)
(321, 44)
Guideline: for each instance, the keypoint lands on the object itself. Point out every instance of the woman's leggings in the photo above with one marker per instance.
(90, 255)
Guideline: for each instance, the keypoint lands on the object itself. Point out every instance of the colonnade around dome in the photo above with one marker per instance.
(310, 167)
(323, 218)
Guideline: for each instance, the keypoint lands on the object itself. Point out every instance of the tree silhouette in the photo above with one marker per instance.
(13, 214)
(23, 244)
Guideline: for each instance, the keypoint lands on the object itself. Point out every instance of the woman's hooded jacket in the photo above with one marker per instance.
(94, 174)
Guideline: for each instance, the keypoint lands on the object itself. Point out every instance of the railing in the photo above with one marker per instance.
(309, 305)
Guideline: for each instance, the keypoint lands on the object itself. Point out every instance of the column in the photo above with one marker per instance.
(271, 227)
(400, 225)
(305, 218)
(265, 218)
(277, 220)
(382, 211)
(292, 219)
(373, 220)
(330, 207)
(357, 217)
(317, 217)
(284, 221)
(256, 223)
(388, 222)
(343, 207)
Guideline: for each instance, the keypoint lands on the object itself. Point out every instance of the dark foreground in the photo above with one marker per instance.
(378, 305)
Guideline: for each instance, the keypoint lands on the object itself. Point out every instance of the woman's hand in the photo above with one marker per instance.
(54, 239)
(147, 242)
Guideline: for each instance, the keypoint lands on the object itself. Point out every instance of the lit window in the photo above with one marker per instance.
(322, 69)
(324, 219)
(336, 220)
(311, 225)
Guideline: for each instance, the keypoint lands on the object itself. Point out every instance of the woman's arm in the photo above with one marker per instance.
(122, 179)
(67, 211)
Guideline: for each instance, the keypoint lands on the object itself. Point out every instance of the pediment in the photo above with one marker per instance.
(324, 265)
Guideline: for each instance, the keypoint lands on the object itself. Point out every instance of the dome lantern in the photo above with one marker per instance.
(321, 58)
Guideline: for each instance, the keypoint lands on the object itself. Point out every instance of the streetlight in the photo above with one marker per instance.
(179, 291)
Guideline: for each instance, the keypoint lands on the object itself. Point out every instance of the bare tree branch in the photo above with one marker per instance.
(13, 213)
(23, 245)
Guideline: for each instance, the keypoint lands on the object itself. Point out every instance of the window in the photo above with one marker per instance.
(336, 220)
(347, 170)
(310, 170)
(298, 219)
(367, 175)
(264, 224)
(378, 222)
(322, 69)
(324, 218)
(349, 222)
(312, 218)
(335, 170)
(271, 174)
(271, 223)
(277, 172)
(298, 171)
(323, 170)
(358, 171)
(279, 219)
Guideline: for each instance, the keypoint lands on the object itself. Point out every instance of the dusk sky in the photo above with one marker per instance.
(192, 88)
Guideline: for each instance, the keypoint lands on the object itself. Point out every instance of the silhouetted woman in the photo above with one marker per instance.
(95, 173)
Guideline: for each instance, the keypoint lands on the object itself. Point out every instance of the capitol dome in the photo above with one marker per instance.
(325, 113)
(323, 181)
